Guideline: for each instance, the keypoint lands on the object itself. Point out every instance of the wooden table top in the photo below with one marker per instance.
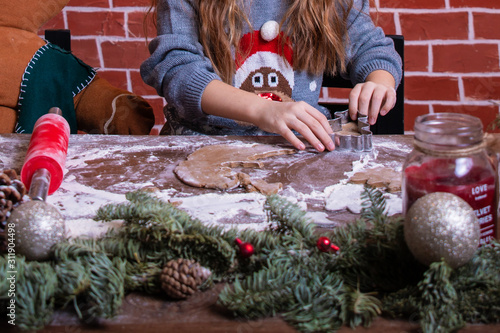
(101, 169)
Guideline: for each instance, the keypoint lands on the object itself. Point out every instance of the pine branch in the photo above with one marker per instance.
(104, 296)
(73, 279)
(258, 295)
(287, 275)
(359, 308)
(373, 205)
(438, 310)
(35, 288)
(290, 219)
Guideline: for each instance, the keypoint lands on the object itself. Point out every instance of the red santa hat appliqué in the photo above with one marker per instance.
(262, 48)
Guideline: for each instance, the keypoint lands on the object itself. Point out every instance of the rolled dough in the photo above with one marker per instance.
(379, 177)
(213, 167)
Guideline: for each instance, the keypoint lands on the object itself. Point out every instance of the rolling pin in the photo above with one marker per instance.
(39, 226)
(43, 168)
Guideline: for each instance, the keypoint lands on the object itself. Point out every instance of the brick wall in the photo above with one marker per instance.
(451, 50)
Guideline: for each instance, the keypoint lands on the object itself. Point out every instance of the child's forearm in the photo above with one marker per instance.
(223, 100)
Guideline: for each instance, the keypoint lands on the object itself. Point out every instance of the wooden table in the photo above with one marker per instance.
(101, 169)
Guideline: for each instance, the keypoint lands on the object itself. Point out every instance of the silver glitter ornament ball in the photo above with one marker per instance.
(38, 226)
(442, 225)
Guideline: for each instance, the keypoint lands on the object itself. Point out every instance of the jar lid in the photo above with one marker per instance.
(449, 129)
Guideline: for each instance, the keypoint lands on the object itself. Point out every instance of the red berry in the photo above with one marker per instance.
(323, 244)
(246, 249)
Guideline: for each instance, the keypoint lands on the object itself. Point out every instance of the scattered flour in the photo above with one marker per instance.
(348, 196)
(78, 203)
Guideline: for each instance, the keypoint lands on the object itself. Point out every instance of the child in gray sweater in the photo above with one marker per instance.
(234, 67)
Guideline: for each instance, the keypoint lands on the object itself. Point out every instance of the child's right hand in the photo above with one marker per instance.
(284, 117)
(223, 100)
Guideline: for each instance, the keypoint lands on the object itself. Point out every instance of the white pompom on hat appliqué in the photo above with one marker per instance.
(269, 30)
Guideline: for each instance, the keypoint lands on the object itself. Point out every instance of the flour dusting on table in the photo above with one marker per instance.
(79, 197)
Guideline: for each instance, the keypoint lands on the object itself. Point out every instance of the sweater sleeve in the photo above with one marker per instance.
(177, 67)
(368, 48)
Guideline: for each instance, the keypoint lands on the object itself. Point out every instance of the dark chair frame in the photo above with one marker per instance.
(393, 122)
(59, 37)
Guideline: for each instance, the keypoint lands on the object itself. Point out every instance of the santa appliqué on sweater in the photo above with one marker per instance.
(263, 65)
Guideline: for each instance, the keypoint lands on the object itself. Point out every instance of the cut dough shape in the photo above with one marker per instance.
(379, 177)
(350, 128)
(212, 167)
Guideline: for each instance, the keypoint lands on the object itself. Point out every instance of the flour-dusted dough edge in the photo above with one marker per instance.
(211, 166)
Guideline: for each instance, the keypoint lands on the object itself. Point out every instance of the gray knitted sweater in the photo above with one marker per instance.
(179, 71)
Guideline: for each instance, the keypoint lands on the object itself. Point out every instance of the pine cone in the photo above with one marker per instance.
(12, 192)
(181, 278)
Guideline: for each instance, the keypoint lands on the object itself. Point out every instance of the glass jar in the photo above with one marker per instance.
(450, 155)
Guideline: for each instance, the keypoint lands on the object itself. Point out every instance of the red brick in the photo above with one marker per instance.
(89, 3)
(434, 26)
(414, 4)
(481, 88)
(56, 22)
(124, 54)
(412, 111)
(467, 58)
(139, 86)
(96, 23)
(131, 3)
(487, 114)
(425, 88)
(136, 25)
(86, 50)
(417, 58)
(385, 21)
(339, 93)
(487, 25)
(475, 3)
(116, 78)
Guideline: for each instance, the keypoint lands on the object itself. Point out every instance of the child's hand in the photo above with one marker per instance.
(283, 117)
(223, 100)
(376, 95)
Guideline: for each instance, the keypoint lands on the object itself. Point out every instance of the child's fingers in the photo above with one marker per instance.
(353, 101)
(390, 102)
(290, 137)
(320, 128)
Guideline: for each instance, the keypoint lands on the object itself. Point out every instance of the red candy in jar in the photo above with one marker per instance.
(449, 155)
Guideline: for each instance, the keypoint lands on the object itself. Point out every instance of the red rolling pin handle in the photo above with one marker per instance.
(43, 168)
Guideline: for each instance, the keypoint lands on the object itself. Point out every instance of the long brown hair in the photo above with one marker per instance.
(317, 31)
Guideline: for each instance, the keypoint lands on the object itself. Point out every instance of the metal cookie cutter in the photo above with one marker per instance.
(362, 142)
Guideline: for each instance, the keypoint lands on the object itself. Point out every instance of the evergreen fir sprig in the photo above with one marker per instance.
(106, 291)
(360, 308)
(35, 290)
(367, 244)
(73, 279)
(289, 218)
(258, 295)
(143, 277)
(372, 273)
(317, 304)
(438, 311)
(373, 205)
(477, 284)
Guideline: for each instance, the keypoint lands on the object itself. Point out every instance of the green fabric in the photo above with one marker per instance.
(52, 78)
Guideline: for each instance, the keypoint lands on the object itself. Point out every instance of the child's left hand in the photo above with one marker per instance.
(373, 97)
